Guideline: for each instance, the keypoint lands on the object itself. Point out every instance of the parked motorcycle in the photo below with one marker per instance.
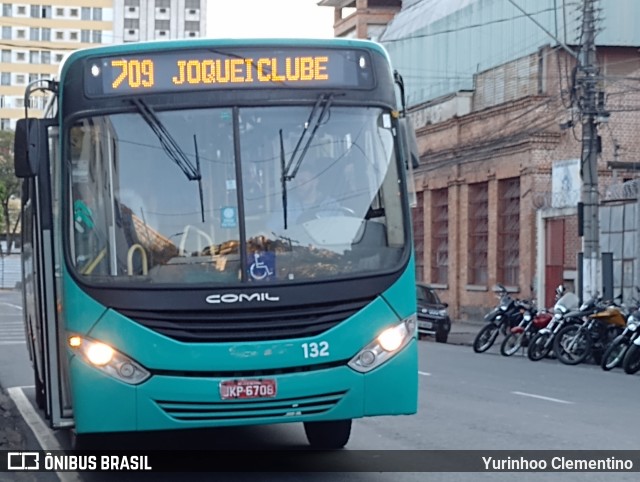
(602, 322)
(615, 353)
(521, 335)
(563, 312)
(505, 315)
(631, 361)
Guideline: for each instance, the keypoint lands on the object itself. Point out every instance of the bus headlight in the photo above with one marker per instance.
(99, 354)
(103, 357)
(385, 346)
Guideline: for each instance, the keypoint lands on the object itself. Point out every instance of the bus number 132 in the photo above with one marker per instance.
(315, 350)
(136, 72)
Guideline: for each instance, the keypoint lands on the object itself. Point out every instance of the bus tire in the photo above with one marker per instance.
(83, 441)
(41, 395)
(328, 435)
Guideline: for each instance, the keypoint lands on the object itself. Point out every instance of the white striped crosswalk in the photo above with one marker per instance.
(11, 325)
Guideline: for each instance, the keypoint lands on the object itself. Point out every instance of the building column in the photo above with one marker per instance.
(457, 275)
(540, 285)
(427, 239)
(493, 241)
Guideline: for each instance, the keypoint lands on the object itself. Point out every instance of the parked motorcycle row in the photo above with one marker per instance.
(604, 331)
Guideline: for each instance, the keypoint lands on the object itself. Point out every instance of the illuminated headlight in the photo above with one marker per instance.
(385, 346)
(104, 358)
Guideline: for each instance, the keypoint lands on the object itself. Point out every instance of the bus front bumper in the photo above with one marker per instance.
(182, 401)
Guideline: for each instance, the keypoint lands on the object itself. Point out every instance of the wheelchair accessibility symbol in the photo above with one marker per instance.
(263, 266)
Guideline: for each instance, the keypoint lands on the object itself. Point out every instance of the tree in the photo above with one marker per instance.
(9, 189)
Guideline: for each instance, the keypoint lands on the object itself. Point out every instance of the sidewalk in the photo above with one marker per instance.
(13, 429)
(464, 332)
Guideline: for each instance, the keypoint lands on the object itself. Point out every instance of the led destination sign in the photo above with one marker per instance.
(189, 70)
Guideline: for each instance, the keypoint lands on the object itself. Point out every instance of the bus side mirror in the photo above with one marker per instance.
(411, 156)
(410, 144)
(31, 146)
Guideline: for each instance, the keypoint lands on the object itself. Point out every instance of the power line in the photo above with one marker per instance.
(543, 28)
(466, 27)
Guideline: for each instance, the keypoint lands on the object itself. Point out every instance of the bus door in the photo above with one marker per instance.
(36, 152)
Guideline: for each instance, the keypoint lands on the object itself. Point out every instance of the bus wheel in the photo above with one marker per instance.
(81, 441)
(328, 435)
(41, 397)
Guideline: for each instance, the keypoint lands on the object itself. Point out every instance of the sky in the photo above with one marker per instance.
(268, 19)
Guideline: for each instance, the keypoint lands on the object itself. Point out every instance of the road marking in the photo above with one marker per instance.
(548, 399)
(43, 434)
(17, 307)
(426, 374)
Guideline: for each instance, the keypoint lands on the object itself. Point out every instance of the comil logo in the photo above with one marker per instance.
(240, 298)
(23, 461)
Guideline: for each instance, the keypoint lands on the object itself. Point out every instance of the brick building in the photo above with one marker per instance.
(363, 19)
(490, 93)
(486, 207)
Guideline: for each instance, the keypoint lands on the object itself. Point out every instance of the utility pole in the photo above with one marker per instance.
(592, 110)
(589, 98)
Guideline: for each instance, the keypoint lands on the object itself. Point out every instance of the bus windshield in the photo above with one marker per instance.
(223, 195)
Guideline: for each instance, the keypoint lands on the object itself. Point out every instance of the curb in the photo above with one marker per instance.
(12, 425)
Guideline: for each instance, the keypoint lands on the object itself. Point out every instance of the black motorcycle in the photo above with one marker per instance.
(563, 313)
(575, 343)
(520, 336)
(615, 353)
(503, 317)
(631, 361)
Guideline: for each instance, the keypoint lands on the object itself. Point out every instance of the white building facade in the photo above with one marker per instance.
(36, 35)
(139, 20)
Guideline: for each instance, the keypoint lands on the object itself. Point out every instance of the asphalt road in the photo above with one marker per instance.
(467, 401)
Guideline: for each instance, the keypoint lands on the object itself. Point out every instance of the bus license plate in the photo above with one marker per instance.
(243, 389)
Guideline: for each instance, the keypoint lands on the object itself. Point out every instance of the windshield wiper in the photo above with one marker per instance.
(283, 179)
(314, 121)
(200, 193)
(168, 143)
(172, 148)
(286, 173)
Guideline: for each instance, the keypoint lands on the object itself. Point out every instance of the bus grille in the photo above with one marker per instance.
(242, 410)
(246, 325)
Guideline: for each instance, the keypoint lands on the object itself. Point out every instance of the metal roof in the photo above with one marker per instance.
(438, 45)
(335, 3)
(417, 14)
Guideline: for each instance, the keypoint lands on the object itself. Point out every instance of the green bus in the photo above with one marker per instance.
(217, 233)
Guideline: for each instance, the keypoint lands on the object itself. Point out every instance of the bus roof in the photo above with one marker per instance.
(155, 45)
